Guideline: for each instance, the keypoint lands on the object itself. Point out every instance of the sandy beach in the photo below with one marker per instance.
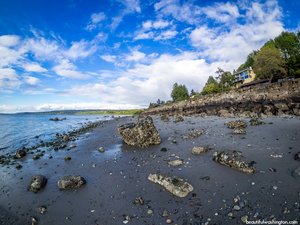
(118, 176)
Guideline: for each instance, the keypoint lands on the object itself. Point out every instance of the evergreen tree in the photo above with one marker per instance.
(179, 92)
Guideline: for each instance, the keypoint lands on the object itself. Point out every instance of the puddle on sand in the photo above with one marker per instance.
(111, 151)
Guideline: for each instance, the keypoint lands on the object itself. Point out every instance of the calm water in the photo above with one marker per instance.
(20, 130)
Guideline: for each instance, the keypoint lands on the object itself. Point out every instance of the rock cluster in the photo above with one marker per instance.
(57, 119)
(233, 160)
(176, 186)
(141, 134)
(257, 101)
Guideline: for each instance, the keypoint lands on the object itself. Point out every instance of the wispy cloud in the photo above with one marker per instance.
(34, 67)
(130, 6)
(96, 19)
(68, 70)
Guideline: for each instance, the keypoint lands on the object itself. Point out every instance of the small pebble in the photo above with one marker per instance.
(169, 221)
(244, 219)
(149, 211)
(236, 208)
(101, 149)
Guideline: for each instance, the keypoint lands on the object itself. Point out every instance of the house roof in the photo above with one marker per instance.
(249, 68)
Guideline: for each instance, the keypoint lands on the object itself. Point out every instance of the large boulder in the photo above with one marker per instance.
(37, 183)
(177, 186)
(70, 182)
(141, 134)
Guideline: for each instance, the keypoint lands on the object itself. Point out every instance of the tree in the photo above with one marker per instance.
(268, 64)
(179, 92)
(193, 92)
(225, 79)
(249, 61)
(211, 86)
(289, 45)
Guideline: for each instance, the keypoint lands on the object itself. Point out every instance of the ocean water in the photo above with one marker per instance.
(18, 130)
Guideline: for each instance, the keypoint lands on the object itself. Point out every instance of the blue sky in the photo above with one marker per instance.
(78, 54)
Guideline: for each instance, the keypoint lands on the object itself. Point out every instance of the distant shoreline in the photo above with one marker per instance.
(121, 112)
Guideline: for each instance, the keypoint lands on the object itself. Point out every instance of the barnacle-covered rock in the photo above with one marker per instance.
(177, 186)
(233, 160)
(141, 134)
(237, 124)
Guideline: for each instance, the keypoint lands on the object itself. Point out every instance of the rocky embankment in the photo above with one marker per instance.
(258, 101)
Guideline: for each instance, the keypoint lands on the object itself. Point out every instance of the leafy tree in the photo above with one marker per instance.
(211, 86)
(179, 92)
(225, 79)
(268, 63)
(289, 45)
(249, 61)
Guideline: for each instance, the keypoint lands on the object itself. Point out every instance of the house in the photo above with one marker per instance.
(243, 77)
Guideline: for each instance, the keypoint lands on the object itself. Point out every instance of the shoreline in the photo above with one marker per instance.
(118, 176)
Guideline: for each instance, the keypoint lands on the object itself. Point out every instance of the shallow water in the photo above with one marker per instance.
(20, 130)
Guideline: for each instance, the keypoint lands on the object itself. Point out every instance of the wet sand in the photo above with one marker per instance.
(119, 175)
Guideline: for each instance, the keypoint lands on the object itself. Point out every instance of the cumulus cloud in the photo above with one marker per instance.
(145, 82)
(232, 43)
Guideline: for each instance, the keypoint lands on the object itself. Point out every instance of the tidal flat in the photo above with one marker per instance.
(117, 190)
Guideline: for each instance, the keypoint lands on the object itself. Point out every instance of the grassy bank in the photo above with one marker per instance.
(128, 112)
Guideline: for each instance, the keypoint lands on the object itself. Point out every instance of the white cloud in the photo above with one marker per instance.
(143, 35)
(8, 79)
(222, 12)
(108, 58)
(131, 6)
(147, 81)
(184, 12)
(234, 41)
(158, 24)
(147, 25)
(135, 55)
(165, 35)
(31, 80)
(34, 67)
(9, 40)
(96, 19)
(156, 30)
(80, 49)
(66, 69)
